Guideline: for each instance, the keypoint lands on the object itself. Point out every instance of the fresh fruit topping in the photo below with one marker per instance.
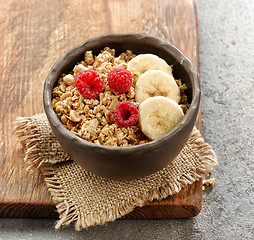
(120, 80)
(158, 116)
(125, 114)
(89, 84)
(144, 62)
(156, 83)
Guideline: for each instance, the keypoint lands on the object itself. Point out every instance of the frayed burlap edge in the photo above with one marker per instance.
(31, 142)
(68, 212)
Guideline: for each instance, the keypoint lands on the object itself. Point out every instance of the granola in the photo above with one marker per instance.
(92, 119)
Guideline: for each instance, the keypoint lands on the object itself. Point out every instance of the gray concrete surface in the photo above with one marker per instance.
(227, 78)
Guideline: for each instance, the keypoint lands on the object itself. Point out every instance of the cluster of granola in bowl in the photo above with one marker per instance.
(87, 125)
(92, 119)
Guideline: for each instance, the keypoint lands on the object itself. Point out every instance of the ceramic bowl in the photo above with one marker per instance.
(135, 161)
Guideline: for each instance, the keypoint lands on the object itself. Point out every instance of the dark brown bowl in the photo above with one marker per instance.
(125, 162)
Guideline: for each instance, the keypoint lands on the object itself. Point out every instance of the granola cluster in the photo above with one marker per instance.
(92, 119)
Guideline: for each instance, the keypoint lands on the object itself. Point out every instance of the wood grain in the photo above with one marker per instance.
(33, 36)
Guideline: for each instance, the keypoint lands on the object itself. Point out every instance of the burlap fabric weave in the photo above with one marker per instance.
(88, 200)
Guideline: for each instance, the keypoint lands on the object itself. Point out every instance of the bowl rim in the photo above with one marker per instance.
(185, 62)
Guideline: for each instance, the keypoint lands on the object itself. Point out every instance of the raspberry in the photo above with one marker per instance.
(120, 80)
(125, 114)
(89, 84)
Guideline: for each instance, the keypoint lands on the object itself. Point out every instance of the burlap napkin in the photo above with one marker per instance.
(90, 200)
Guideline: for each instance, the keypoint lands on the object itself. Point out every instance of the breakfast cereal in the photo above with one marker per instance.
(93, 119)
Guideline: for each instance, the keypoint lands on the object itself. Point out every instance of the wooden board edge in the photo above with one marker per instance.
(173, 207)
(155, 209)
(21, 209)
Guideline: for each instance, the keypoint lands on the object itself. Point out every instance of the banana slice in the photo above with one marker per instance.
(143, 62)
(158, 116)
(156, 83)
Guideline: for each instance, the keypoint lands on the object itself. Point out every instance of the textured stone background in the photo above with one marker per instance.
(227, 79)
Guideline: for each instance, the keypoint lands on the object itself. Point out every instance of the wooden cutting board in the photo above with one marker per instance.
(34, 34)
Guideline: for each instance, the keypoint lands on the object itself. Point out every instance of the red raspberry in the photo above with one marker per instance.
(125, 114)
(89, 83)
(120, 80)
